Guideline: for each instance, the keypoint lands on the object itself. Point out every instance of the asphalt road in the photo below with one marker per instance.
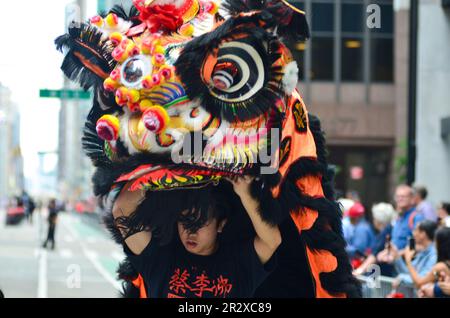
(83, 264)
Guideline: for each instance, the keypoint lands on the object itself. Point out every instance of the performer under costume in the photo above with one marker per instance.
(172, 72)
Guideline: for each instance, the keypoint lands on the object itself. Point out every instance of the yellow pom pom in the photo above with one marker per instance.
(122, 96)
(133, 49)
(159, 50)
(110, 85)
(187, 29)
(133, 96)
(145, 104)
(112, 20)
(214, 8)
(116, 38)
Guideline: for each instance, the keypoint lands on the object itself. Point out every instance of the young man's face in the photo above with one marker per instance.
(204, 241)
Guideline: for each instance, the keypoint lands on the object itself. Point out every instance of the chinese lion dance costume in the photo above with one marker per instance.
(170, 71)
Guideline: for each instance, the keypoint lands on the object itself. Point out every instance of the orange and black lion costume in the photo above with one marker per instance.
(171, 72)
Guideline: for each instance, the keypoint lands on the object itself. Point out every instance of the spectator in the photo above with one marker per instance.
(52, 220)
(353, 195)
(444, 214)
(441, 269)
(383, 214)
(425, 254)
(422, 206)
(347, 227)
(363, 236)
(407, 219)
(406, 222)
(442, 288)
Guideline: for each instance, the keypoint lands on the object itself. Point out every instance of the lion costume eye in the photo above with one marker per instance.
(238, 74)
(232, 70)
(134, 70)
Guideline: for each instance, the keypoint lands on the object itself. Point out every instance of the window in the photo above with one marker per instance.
(387, 19)
(352, 59)
(382, 46)
(322, 17)
(323, 58)
(382, 60)
(352, 18)
(299, 50)
(364, 54)
(299, 56)
(322, 42)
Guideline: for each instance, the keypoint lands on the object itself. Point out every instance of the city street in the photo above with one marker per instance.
(83, 264)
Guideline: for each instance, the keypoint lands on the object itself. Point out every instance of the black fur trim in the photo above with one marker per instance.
(86, 41)
(127, 273)
(269, 209)
(322, 154)
(93, 146)
(319, 237)
(291, 25)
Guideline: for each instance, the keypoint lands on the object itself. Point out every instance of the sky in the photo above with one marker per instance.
(29, 62)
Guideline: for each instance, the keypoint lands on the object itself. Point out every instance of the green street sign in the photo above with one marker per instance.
(64, 94)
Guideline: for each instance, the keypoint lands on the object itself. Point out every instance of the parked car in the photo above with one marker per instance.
(15, 214)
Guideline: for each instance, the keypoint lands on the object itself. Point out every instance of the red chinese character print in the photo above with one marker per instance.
(223, 287)
(202, 285)
(179, 282)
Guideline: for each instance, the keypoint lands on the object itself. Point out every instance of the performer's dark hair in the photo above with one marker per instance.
(160, 211)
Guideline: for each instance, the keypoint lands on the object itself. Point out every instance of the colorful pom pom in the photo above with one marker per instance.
(145, 104)
(108, 127)
(134, 107)
(119, 54)
(112, 20)
(147, 82)
(97, 21)
(115, 75)
(156, 78)
(110, 85)
(116, 38)
(167, 72)
(158, 59)
(211, 7)
(133, 96)
(146, 46)
(122, 96)
(133, 50)
(159, 49)
(156, 119)
(187, 29)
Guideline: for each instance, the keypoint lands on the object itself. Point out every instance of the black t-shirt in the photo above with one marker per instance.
(172, 272)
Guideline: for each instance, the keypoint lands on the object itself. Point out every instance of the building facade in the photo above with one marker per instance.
(11, 160)
(354, 76)
(433, 100)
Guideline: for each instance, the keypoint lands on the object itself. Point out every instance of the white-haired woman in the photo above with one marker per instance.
(383, 215)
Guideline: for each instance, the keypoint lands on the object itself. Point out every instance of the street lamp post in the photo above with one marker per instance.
(412, 103)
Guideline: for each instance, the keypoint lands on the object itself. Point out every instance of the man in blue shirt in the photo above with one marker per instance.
(407, 221)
